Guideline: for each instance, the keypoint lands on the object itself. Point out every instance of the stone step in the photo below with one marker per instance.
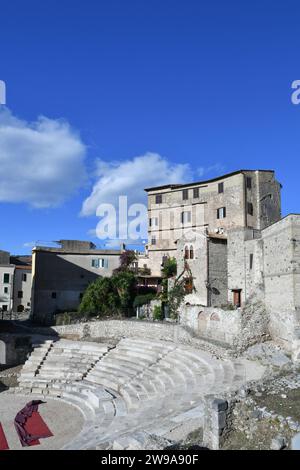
(138, 355)
(114, 369)
(106, 381)
(149, 344)
(127, 361)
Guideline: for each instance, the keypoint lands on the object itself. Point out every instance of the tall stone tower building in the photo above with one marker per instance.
(242, 199)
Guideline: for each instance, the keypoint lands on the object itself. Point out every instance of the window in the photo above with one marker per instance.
(251, 261)
(99, 263)
(4, 308)
(153, 240)
(158, 199)
(24, 277)
(164, 260)
(237, 297)
(20, 294)
(5, 278)
(185, 194)
(196, 192)
(221, 188)
(221, 213)
(249, 182)
(153, 222)
(250, 208)
(191, 252)
(53, 295)
(186, 253)
(5, 290)
(185, 217)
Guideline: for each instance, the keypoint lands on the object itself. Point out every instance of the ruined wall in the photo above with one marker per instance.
(214, 324)
(14, 349)
(238, 328)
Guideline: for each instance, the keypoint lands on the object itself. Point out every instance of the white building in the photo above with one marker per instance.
(15, 282)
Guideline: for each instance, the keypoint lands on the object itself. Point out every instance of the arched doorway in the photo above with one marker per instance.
(202, 322)
(2, 352)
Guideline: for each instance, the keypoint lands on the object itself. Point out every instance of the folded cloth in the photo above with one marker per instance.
(3, 441)
(21, 419)
(36, 426)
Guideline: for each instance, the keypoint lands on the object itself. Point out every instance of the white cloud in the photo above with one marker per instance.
(217, 169)
(41, 162)
(130, 177)
(29, 244)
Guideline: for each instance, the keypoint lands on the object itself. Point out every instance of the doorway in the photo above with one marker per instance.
(237, 297)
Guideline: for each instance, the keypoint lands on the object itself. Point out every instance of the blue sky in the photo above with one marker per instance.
(136, 92)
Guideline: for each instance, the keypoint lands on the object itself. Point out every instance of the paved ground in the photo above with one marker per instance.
(64, 420)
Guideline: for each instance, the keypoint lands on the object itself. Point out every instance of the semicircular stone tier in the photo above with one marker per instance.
(139, 385)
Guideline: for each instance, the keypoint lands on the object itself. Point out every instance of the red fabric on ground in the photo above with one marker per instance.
(36, 426)
(3, 441)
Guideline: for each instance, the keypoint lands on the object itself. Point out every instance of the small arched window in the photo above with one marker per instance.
(191, 252)
(186, 253)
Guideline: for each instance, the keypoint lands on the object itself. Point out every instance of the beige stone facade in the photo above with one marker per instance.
(241, 199)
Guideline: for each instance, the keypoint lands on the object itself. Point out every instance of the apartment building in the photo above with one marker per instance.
(15, 282)
(61, 274)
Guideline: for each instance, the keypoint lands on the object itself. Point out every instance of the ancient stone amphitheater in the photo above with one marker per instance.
(118, 394)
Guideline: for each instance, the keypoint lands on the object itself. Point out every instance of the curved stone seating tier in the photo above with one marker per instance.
(136, 385)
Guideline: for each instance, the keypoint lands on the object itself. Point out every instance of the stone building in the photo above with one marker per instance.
(265, 266)
(60, 275)
(191, 222)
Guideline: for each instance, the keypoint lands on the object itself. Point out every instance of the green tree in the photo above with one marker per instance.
(124, 283)
(127, 258)
(110, 295)
(100, 298)
(170, 268)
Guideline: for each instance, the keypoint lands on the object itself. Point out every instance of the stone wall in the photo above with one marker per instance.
(213, 323)
(238, 328)
(281, 278)
(245, 262)
(14, 349)
(265, 267)
(197, 265)
(217, 422)
(217, 272)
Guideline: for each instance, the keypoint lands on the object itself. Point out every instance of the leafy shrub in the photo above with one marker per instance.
(143, 299)
(170, 267)
(157, 313)
(109, 295)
